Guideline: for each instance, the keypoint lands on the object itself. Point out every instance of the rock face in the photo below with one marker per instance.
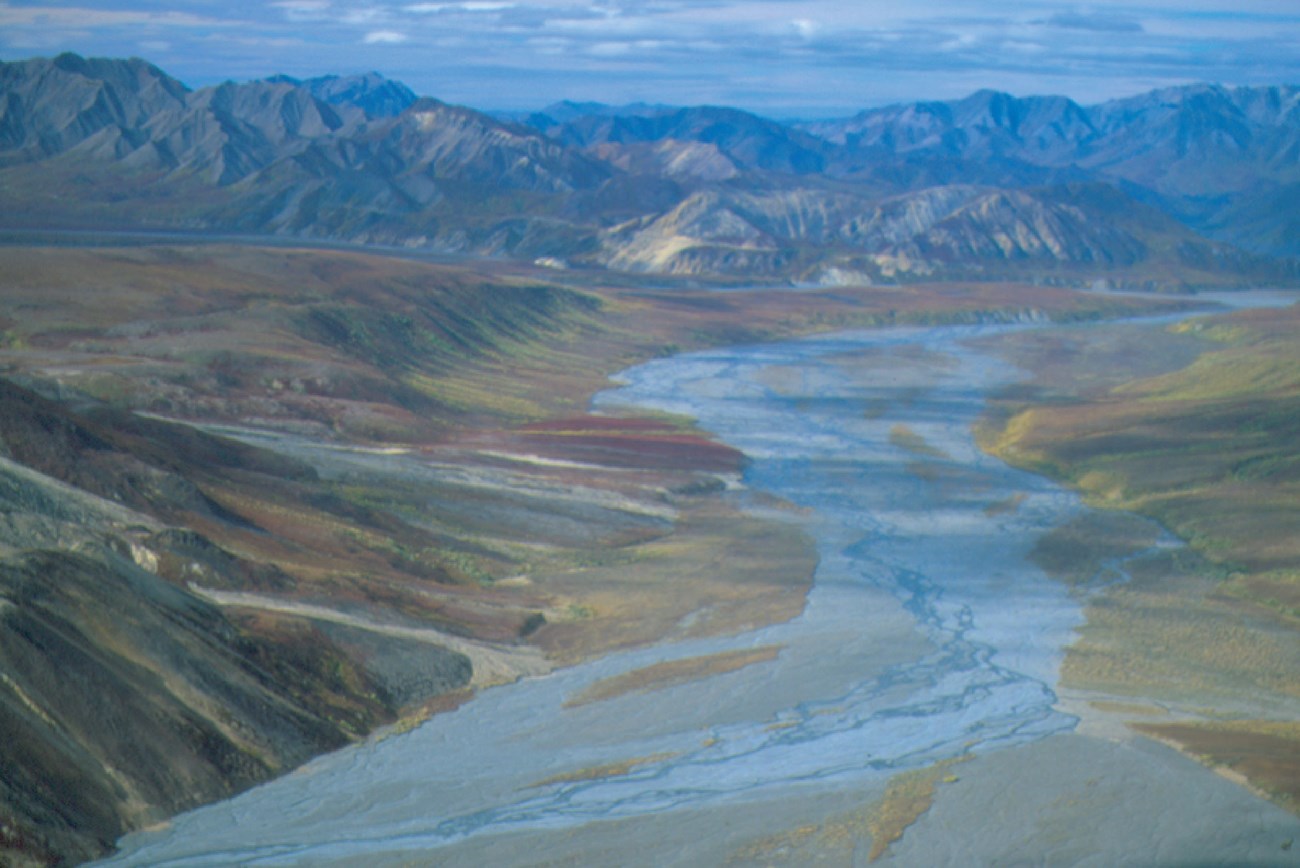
(656, 188)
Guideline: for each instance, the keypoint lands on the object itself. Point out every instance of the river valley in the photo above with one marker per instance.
(930, 645)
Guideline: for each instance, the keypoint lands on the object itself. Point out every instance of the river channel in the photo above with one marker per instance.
(928, 636)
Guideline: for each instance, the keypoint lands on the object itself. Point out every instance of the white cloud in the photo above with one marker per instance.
(471, 6)
(362, 16)
(384, 37)
(302, 5)
(82, 17)
(805, 27)
(793, 53)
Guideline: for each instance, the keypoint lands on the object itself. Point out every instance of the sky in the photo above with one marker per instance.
(781, 58)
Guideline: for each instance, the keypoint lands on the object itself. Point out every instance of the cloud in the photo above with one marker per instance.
(471, 6)
(384, 37)
(1097, 23)
(302, 5)
(805, 27)
(82, 17)
(784, 56)
(368, 15)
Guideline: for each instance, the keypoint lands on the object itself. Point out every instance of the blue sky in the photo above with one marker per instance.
(785, 58)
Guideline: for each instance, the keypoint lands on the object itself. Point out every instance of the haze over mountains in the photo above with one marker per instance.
(1181, 186)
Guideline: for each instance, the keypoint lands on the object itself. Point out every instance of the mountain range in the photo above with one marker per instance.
(1184, 186)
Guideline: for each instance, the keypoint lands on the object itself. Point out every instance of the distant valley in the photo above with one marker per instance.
(1176, 188)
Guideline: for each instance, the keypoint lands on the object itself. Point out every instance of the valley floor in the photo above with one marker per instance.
(272, 500)
(915, 695)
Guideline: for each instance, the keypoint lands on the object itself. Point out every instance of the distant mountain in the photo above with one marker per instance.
(1201, 140)
(987, 124)
(345, 158)
(751, 142)
(989, 185)
(1164, 139)
(562, 112)
(1205, 152)
(377, 96)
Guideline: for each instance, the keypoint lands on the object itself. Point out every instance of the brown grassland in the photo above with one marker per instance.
(1196, 427)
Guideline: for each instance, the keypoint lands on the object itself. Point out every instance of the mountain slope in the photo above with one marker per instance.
(51, 106)
(128, 690)
(747, 140)
(1073, 233)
